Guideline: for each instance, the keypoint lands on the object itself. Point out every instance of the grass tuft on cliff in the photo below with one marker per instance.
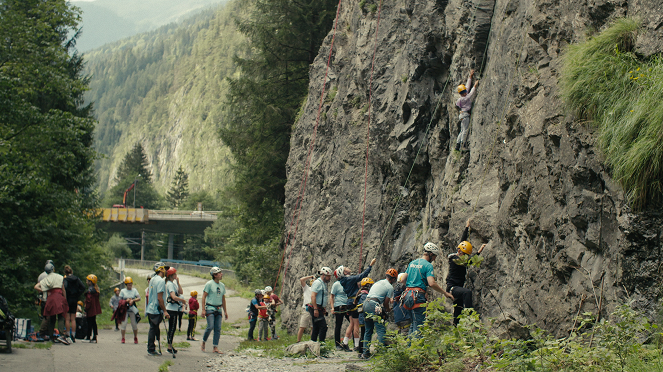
(604, 81)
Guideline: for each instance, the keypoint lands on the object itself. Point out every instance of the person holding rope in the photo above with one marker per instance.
(319, 301)
(156, 307)
(339, 301)
(464, 104)
(418, 277)
(214, 305)
(350, 285)
(458, 263)
(376, 308)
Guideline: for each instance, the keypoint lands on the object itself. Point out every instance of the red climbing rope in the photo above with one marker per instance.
(368, 136)
(302, 189)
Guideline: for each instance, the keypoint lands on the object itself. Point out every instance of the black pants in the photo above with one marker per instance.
(172, 325)
(117, 325)
(155, 331)
(462, 300)
(319, 329)
(191, 330)
(180, 315)
(252, 326)
(51, 324)
(338, 317)
(362, 332)
(92, 327)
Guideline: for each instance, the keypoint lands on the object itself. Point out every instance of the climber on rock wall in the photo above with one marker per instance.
(458, 263)
(464, 104)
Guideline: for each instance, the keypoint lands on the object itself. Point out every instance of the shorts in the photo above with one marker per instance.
(130, 316)
(305, 320)
(72, 306)
(353, 314)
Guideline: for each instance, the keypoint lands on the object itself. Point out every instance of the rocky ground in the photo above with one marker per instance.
(248, 360)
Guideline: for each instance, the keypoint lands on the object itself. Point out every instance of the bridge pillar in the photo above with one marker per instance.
(170, 246)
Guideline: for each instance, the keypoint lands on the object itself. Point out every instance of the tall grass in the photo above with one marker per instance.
(604, 81)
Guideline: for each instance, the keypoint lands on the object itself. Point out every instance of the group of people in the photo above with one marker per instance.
(164, 301)
(366, 304)
(59, 303)
(262, 311)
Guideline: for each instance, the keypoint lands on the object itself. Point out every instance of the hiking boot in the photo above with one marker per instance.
(73, 338)
(171, 351)
(153, 353)
(346, 348)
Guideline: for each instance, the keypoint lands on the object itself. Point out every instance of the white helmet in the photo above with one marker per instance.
(258, 292)
(268, 289)
(215, 270)
(325, 271)
(431, 248)
(339, 272)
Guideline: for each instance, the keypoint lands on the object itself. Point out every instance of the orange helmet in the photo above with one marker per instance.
(194, 293)
(92, 278)
(465, 247)
(392, 273)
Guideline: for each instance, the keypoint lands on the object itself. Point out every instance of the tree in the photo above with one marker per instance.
(133, 170)
(179, 189)
(46, 154)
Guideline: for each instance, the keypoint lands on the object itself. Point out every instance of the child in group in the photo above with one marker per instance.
(263, 319)
(364, 287)
(193, 314)
(92, 307)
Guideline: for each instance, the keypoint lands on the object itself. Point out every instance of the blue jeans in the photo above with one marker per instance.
(418, 316)
(380, 329)
(213, 323)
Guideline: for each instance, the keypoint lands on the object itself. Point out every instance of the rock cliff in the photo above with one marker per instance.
(561, 237)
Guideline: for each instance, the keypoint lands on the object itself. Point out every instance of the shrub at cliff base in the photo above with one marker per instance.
(623, 342)
(604, 81)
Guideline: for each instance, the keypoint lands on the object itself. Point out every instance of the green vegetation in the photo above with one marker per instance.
(626, 342)
(46, 154)
(134, 170)
(164, 366)
(604, 81)
(179, 189)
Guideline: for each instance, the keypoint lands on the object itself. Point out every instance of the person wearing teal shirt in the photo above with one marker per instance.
(419, 276)
(340, 311)
(174, 303)
(156, 307)
(319, 300)
(214, 299)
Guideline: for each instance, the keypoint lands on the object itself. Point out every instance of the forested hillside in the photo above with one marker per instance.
(164, 89)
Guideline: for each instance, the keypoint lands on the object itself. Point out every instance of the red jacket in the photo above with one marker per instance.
(193, 306)
(92, 305)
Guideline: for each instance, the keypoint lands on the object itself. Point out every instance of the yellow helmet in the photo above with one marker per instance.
(194, 293)
(92, 278)
(81, 303)
(128, 280)
(461, 88)
(366, 281)
(116, 290)
(465, 247)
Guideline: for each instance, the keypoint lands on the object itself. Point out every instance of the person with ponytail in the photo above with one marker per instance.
(92, 307)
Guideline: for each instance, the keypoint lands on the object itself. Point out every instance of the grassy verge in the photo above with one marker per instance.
(604, 81)
(164, 366)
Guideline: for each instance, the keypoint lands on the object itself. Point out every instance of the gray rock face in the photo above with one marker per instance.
(557, 226)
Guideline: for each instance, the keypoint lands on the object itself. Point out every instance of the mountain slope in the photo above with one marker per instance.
(165, 89)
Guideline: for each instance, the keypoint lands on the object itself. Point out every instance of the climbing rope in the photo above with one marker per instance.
(368, 136)
(302, 190)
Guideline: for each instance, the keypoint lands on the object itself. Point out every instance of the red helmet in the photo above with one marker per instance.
(171, 271)
(392, 273)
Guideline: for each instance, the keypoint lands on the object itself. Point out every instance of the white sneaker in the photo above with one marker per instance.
(63, 340)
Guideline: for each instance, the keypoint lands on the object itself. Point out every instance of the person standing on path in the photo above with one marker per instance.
(273, 309)
(350, 285)
(263, 319)
(457, 273)
(305, 316)
(73, 288)
(131, 296)
(254, 309)
(193, 314)
(173, 305)
(464, 104)
(113, 303)
(419, 276)
(92, 307)
(214, 303)
(156, 308)
(339, 301)
(376, 307)
(56, 302)
(42, 297)
(319, 301)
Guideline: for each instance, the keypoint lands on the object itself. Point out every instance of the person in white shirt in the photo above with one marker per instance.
(305, 317)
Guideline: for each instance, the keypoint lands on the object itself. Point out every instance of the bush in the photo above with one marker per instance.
(604, 81)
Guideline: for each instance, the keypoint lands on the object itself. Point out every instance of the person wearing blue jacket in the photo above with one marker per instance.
(402, 317)
(350, 285)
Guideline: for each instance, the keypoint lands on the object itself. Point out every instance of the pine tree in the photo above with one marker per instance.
(134, 163)
(133, 169)
(179, 190)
